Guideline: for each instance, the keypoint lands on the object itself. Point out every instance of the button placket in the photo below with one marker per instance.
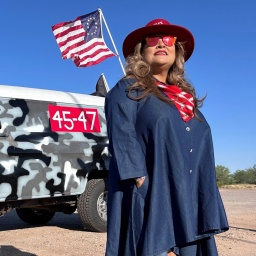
(190, 149)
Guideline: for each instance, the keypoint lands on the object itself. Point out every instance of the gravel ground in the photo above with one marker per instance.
(64, 235)
(240, 206)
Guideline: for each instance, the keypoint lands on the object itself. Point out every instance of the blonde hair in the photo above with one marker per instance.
(138, 69)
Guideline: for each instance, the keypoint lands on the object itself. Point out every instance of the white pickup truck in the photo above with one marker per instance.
(53, 155)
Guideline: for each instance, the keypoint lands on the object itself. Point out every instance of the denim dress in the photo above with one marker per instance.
(178, 207)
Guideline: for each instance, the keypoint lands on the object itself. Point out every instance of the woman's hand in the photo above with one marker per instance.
(139, 181)
(171, 254)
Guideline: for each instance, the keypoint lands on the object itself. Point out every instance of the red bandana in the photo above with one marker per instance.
(183, 101)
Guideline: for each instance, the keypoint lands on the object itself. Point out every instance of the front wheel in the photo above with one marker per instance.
(34, 216)
(92, 205)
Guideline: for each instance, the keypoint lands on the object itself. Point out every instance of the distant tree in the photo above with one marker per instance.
(223, 175)
(240, 177)
(251, 175)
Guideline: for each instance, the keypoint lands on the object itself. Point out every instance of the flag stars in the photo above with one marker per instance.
(89, 23)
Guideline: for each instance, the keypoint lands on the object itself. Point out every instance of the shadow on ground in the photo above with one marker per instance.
(7, 250)
(11, 221)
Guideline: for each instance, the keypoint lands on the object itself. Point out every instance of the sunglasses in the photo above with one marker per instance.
(167, 40)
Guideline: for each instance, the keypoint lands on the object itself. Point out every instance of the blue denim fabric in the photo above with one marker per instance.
(179, 202)
(202, 247)
(163, 254)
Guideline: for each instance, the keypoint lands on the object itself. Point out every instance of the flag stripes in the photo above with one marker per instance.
(82, 40)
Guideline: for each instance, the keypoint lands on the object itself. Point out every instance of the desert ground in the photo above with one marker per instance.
(64, 234)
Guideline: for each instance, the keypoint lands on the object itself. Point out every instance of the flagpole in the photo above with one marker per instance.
(101, 13)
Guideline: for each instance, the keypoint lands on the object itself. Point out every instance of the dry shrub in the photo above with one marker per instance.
(240, 186)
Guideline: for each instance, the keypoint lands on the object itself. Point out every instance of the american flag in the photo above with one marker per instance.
(82, 40)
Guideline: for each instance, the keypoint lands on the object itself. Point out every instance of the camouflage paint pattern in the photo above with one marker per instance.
(36, 162)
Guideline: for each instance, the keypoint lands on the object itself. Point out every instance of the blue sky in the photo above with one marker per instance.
(222, 66)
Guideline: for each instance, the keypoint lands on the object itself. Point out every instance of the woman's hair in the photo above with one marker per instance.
(138, 69)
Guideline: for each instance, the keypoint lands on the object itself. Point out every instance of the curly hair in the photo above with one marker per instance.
(138, 69)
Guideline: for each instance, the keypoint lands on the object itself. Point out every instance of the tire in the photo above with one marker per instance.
(92, 205)
(34, 216)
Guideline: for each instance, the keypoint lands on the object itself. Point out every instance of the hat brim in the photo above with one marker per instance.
(183, 35)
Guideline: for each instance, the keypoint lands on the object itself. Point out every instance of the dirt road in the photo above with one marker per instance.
(240, 240)
(64, 235)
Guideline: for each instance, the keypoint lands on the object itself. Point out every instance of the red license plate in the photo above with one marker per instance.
(73, 119)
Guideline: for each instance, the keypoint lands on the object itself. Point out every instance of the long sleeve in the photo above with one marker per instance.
(121, 112)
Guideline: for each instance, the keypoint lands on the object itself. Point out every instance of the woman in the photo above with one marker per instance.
(163, 197)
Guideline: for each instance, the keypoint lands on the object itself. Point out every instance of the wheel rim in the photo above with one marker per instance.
(102, 205)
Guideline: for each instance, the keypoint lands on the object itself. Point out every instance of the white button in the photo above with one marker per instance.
(191, 150)
(190, 171)
(187, 129)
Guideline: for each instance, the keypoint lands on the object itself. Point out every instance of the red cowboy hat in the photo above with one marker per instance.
(159, 26)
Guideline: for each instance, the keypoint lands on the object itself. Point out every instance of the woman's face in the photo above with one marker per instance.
(159, 56)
